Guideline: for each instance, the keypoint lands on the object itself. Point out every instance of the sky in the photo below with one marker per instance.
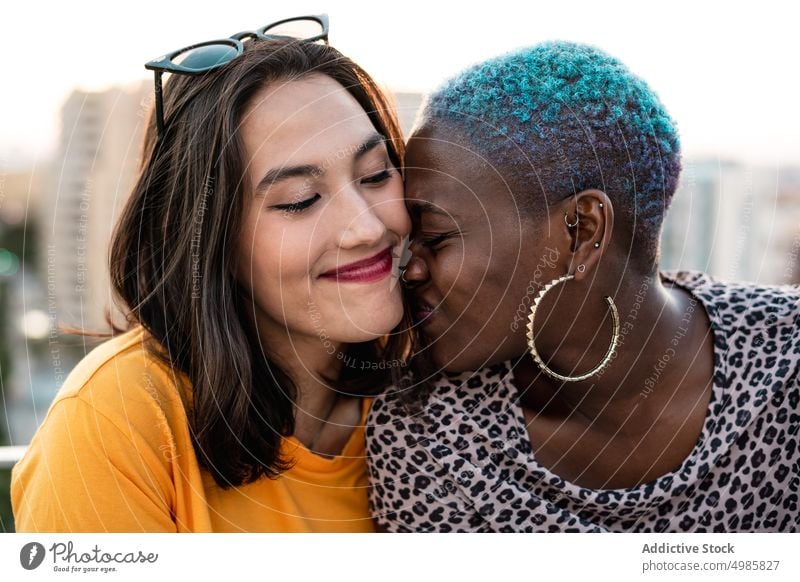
(727, 71)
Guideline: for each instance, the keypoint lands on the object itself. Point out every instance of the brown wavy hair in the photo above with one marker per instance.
(177, 281)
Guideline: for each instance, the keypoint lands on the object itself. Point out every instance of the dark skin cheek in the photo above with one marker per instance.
(482, 277)
(458, 306)
(487, 315)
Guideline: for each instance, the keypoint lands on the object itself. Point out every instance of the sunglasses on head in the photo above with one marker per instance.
(206, 56)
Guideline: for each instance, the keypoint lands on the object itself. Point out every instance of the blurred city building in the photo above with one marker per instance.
(70, 208)
(735, 221)
(95, 167)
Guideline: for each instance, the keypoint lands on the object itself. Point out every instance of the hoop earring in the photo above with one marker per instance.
(532, 346)
(566, 220)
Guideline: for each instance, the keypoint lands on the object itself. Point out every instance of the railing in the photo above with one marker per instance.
(9, 456)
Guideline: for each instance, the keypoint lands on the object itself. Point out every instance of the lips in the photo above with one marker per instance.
(367, 270)
(423, 312)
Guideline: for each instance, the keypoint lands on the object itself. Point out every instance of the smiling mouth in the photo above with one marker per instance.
(367, 270)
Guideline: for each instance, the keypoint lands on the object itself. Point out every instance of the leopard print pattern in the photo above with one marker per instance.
(465, 464)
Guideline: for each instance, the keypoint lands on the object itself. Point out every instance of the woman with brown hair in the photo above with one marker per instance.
(257, 259)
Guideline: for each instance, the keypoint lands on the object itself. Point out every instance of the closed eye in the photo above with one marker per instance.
(433, 241)
(377, 178)
(295, 207)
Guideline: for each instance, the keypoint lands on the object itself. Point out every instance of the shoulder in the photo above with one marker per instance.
(764, 317)
(123, 383)
(756, 331)
(118, 413)
(742, 303)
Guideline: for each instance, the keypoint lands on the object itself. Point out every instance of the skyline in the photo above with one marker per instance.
(725, 72)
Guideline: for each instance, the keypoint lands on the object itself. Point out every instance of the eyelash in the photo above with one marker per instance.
(377, 178)
(432, 242)
(295, 207)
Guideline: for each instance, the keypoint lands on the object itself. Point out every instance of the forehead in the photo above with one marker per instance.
(302, 121)
(443, 169)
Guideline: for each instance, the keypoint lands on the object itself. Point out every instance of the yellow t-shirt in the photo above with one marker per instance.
(114, 454)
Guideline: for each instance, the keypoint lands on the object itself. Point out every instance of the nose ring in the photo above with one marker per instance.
(403, 273)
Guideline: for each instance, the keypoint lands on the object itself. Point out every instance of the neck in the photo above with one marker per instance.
(309, 363)
(573, 340)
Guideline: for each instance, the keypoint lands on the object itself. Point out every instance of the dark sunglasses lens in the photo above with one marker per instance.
(205, 57)
(296, 29)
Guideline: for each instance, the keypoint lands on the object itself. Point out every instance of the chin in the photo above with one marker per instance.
(355, 317)
(366, 325)
(447, 359)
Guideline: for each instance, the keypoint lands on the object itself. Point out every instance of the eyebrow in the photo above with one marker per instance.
(276, 175)
(418, 208)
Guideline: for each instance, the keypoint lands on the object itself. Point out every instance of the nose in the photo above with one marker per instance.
(416, 272)
(362, 226)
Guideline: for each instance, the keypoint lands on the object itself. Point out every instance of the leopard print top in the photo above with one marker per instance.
(466, 462)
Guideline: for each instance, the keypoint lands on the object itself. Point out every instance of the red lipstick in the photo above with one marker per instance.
(367, 270)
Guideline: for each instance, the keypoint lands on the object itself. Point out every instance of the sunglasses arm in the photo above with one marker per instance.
(159, 104)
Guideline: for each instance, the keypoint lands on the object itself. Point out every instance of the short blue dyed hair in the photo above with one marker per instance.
(569, 117)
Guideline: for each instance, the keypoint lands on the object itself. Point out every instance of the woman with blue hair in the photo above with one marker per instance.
(574, 386)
